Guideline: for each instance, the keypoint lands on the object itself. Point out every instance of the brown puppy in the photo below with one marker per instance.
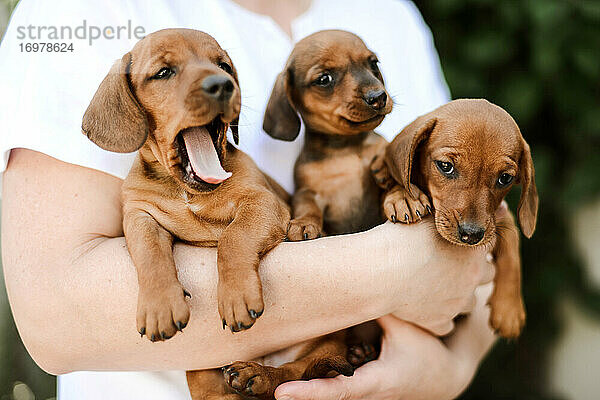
(173, 97)
(332, 81)
(461, 160)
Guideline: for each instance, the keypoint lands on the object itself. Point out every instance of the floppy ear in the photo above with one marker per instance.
(281, 120)
(399, 154)
(528, 203)
(115, 120)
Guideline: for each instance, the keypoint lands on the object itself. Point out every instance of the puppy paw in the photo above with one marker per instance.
(252, 379)
(380, 172)
(163, 312)
(305, 228)
(240, 301)
(401, 206)
(329, 366)
(360, 354)
(507, 315)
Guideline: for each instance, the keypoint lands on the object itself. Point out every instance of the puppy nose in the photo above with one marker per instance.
(470, 233)
(376, 99)
(219, 87)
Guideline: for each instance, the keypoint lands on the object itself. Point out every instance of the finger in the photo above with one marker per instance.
(395, 327)
(364, 383)
(474, 336)
(470, 305)
(442, 329)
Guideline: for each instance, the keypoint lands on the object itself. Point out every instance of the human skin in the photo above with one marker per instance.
(413, 363)
(73, 288)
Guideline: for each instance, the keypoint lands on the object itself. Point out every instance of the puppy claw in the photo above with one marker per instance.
(186, 294)
(240, 302)
(253, 379)
(303, 228)
(428, 209)
(162, 312)
(394, 219)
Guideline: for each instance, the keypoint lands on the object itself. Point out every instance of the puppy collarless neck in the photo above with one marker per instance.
(327, 140)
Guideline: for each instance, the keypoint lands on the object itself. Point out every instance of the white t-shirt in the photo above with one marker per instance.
(43, 96)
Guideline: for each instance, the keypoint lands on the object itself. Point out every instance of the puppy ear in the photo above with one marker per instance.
(115, 120)
(399, 154)
(281, 120)
(528, 203)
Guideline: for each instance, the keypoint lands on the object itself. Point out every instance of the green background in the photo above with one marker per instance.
(540, 60)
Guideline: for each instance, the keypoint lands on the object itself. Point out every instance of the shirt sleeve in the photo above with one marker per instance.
(417, 83)
(44, 94)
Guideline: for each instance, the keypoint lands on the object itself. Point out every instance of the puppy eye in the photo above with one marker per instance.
(225, 67)
(324, 80)
(374, 64)
(505, 179)
(164, 73)
(445, 168)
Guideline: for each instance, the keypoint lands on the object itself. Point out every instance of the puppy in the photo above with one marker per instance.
(459, 162)
(173, 98)
(332, 81)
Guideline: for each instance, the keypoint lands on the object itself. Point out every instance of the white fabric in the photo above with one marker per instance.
(44, 95)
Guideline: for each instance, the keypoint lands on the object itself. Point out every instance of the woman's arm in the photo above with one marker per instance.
(73, 288)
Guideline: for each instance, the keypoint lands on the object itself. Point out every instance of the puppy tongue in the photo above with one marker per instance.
(203, 156)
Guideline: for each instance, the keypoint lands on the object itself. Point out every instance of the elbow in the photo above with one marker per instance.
(37, 318)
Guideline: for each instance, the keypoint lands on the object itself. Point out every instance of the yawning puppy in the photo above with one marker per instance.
(459, 162)
(173, 97)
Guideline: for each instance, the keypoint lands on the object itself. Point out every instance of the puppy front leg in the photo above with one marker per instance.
(257, 227)
(507, 309)
(162, 309)
(308, 216)
(401, 206)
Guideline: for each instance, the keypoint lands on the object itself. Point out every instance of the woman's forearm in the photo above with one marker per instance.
(73, 287)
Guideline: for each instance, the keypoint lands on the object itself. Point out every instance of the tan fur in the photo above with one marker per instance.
(481, 141)
(244, 217)
(335, 192)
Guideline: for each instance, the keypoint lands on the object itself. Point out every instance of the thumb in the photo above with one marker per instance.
(395, 327)
(365, 382)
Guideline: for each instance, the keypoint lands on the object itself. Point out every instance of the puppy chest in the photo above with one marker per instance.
(345, 191)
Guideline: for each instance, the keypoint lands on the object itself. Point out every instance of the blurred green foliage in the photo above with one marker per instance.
(540, 60)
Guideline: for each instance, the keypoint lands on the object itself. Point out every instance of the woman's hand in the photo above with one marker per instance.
(413, 364)
(439, 286)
